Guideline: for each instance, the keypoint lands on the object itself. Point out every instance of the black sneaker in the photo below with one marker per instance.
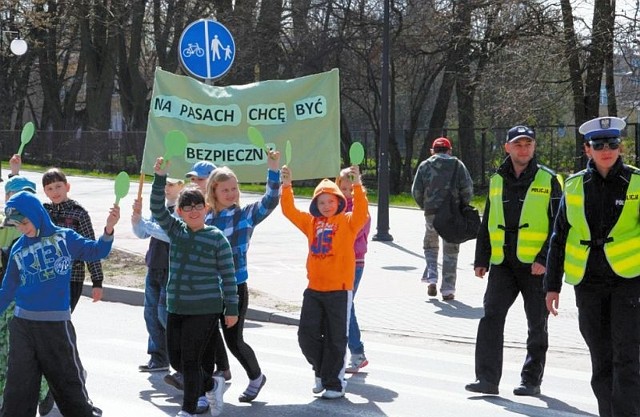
(525, 389)
(152, 366)
(483, 387)
(175, 380)
(45, 406)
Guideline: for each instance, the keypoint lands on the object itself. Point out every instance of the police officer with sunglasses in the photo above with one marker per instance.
(596, 245)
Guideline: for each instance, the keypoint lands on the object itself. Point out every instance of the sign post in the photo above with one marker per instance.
(206, 49)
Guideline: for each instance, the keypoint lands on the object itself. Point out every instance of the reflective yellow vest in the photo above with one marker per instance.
(534, 222)
(621, 247)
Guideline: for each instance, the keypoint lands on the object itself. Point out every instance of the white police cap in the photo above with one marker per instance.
(602, 127)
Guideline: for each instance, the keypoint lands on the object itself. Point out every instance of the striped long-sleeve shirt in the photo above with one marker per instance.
(201, 271)
(238, 223)
(72, 215)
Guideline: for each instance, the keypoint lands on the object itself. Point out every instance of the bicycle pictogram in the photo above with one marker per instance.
(192, 49)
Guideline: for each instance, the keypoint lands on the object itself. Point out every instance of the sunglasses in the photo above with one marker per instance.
(598, 146)
(197, 207)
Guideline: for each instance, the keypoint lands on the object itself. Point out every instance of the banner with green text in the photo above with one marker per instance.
(304, 111)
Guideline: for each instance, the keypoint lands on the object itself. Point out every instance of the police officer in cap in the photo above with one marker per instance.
(512, 246)
(596, 245)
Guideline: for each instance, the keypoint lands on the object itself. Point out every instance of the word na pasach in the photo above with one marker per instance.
(231, 114)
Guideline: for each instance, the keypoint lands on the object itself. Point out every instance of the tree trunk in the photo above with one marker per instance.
(439, 114)
(133, 87)
(98, 36)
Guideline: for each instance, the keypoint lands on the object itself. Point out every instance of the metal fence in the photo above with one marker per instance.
(117, 151)
(555, 147)
(99, 151)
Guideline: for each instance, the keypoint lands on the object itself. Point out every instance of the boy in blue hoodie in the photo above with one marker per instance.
(42, 337)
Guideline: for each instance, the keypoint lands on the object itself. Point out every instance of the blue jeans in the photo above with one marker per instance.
(155, 314)
(354, 342)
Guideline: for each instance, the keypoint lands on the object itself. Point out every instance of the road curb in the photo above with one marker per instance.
(135, 297)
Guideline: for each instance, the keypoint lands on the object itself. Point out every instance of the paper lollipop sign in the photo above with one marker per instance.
(175, 142)
(356, 153)
(121, 186)
(256, 138)
(25, 137)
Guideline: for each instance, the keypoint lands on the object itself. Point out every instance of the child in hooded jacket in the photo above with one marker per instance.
(331, 260)
(42, 336)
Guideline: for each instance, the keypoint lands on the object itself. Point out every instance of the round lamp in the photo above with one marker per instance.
(18, 46)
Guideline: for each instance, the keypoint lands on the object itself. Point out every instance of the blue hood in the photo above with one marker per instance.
(29, 205)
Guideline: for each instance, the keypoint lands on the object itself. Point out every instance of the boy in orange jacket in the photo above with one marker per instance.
(322, 333)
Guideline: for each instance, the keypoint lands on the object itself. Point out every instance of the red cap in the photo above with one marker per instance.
(441, 143)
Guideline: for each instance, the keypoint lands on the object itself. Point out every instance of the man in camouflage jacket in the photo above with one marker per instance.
(431, 186)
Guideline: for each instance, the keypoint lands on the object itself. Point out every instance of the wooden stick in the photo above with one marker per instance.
(140, 185)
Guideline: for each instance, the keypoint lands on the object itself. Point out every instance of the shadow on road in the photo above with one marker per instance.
(400, 248)
(159, 392)
(362, 399)
(552, 406)
(456, 309)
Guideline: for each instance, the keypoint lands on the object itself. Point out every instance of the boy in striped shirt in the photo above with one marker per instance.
(201, 286)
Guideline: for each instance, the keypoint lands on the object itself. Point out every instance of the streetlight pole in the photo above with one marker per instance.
(18, 46)
(383, 157)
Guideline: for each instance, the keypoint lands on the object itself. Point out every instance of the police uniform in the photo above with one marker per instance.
(512, 236)
(596, 245)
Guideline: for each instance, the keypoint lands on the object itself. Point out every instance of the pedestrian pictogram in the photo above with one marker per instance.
(206, 49)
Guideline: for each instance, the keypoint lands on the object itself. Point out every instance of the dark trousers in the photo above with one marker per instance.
(49, 348)
(235, 340)
(188, 337)
(503, 286)
(322, 334)
(609, 319)
(219, 356)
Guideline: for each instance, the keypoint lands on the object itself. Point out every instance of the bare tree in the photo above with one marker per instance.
(586, 77)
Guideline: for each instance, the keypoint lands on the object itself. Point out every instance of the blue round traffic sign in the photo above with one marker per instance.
(206, 49)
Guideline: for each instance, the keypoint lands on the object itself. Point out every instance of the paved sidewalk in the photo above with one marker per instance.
(391, 298)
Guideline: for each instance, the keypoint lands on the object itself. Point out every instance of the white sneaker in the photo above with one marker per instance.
(183, 413)
(215, 396)
(332, 395)
(318, 388)
(357, 362)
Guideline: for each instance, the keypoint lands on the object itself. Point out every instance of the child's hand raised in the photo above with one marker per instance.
(112, 219)
(354, 174)
(15, 163)
(161, 167)
(273, 161)
(136, 216)
(286, 175)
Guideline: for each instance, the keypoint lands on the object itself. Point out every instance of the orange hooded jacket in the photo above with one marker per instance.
(331, 260)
